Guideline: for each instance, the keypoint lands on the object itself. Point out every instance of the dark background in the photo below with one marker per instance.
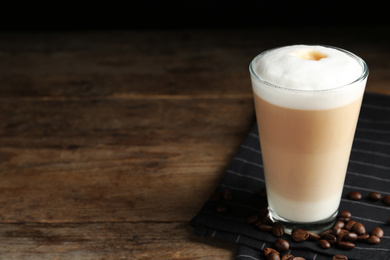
(159, 14)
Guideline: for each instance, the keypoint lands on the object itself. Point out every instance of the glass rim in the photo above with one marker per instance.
(363, 76)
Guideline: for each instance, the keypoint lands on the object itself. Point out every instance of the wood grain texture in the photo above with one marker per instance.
(111, 141)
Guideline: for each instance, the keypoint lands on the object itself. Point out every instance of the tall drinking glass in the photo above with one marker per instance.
(306, 121)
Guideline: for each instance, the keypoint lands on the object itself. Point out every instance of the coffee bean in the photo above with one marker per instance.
(288, 257)
(252, 219)
(336, 230)
(354, 195)
(377, 231)
(222, 208)
(341, 235)
(374, 196)
(277, 230)
(299, 235)
(339, 257)
(350, 224)
(264, 227)
(358, 228)
(339, 224)
(386, 200)
(268, 250)
(374, 240)
(324, 244)
(298, 258)
(345, 245)
(313, 237)
(328, 231)
(330, 238)
(345, 214)
(226, 194)
(273, 256)
(351, 237)
(281, 245)
(363, 238)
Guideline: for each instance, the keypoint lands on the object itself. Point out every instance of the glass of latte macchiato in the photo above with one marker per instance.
(307, 100)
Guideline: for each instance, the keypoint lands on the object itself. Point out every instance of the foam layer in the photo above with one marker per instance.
(308, 77)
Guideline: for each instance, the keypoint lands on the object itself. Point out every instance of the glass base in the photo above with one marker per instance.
(315, 227)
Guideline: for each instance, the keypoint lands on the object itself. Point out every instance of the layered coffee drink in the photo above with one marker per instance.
(307, 101)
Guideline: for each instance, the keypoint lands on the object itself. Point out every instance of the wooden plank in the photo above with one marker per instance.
(115, 160)
(120, 240)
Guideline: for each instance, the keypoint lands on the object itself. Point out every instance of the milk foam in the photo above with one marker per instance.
(308, 77)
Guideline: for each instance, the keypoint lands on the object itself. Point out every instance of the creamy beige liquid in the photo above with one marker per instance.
(305, 155)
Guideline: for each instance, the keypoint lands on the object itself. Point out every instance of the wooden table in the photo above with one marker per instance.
(111, 141)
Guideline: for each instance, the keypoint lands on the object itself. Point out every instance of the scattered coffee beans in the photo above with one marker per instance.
(222, 208)
(299, 235)
(346, 245)
(386, 200)
(277, 230)
(313, 237)
(268, 250)
(377, 232)
(358, 228)
(324, 244)
(339, 257)
(363, 238)
(273, 256)
(373, 240)
(281, 245)
(288, 257)
(354, 195)
(350, 237)
(374, 196)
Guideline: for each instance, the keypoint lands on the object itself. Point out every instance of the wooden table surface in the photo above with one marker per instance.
(111, 141)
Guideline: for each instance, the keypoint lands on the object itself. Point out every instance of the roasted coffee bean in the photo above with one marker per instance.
(268, 250)
(299, 235)
(226, 194)
(351, 237)
(358, 228)
(341, 235)
(222, 208)
(345, 245)
(273, 256)
(339, 224)
(350, 224)
(354, 195)
(277, 230)
(298, 258)
(267, 220)
(377, 231)
(332, 239)
(287, 257)
(374, 196)
(281, 245)
(386, 200)
(362, 238)
(374, 240)
(336, 230)
(252, 219)
(313, 237)
(339, 257)
(264, 227)
(324, 244)
(345, 214)
(328, 231)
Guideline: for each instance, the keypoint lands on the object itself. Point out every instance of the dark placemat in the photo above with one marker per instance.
(368, 170)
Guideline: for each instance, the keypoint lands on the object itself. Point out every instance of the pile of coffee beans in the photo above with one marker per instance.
(345, 233)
